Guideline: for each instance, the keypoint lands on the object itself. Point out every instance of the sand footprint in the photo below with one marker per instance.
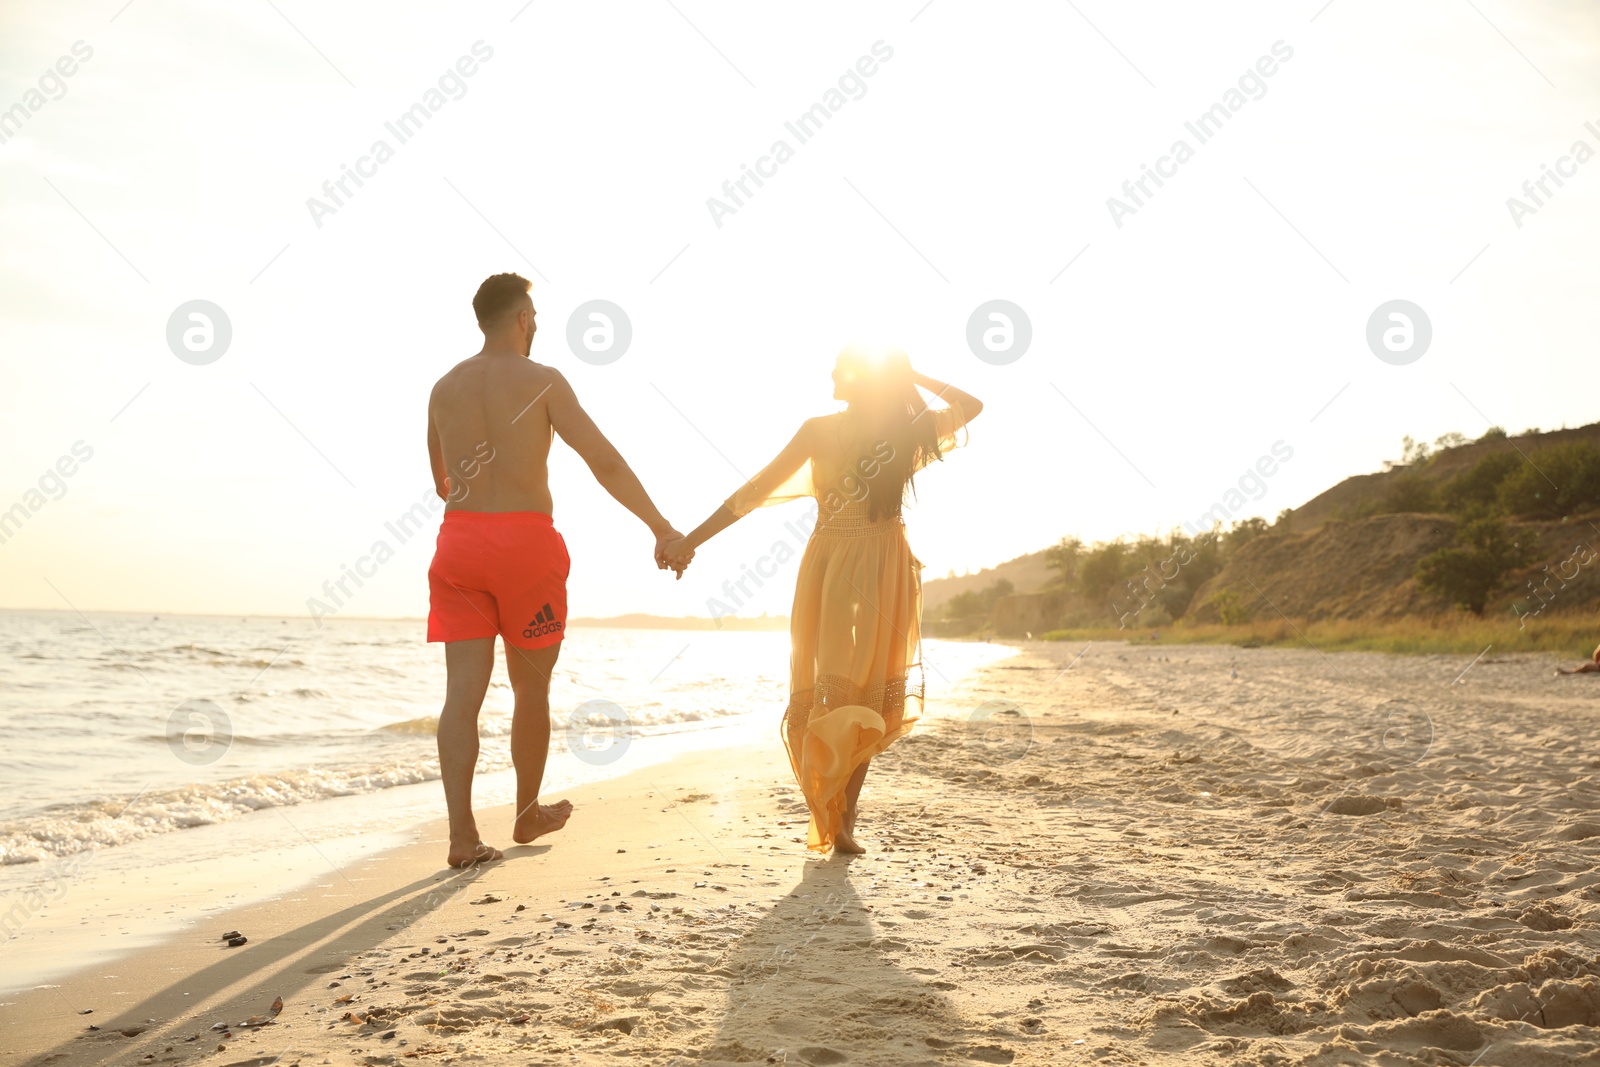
(324, 968)
(981, 1053)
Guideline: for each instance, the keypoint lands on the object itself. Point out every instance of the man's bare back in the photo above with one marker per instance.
(490, 422)
(489, 431)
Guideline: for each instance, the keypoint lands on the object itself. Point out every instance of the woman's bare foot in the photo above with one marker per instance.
(471, 853)
(845, 840)
(540, 820)
(847, 844)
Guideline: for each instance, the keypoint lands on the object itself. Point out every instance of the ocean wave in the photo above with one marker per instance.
(428, 725)
(184, 655)
(201, 650)
(244, 739)
(422, 725)
(70, 828)
(64, 829)
(648, 718)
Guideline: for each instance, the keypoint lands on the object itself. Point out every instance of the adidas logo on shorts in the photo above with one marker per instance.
(543, 623)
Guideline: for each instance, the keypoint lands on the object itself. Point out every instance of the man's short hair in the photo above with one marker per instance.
(499, 295)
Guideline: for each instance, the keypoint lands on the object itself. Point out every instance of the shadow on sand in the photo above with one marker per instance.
(812, 983)
(278, 966)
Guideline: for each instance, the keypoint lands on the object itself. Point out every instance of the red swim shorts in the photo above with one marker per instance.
(498, 572)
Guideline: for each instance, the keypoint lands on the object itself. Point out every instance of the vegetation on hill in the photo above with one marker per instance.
(981, 602)
(969, 612)
(1150, 580)
(1472, 514)
(1548, 482)
(1466, 572)
(1459, 633)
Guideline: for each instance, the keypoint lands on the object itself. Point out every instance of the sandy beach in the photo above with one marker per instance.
(1119, 854)
(1132, 419)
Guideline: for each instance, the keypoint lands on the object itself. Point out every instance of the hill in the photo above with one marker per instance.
(1352, 552)
(1365, 492)
(1027, 574)
(1366, 569)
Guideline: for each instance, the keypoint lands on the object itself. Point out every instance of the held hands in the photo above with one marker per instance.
(673, 552)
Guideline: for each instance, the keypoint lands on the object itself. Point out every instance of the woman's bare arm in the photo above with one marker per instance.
(774, 474)
(965, 406)
(715, 523)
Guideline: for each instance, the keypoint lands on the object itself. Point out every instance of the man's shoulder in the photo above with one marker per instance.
(516, 370)
(550, 383)
(456, 372)
(543, 372)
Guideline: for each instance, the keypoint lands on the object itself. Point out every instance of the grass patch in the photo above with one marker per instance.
(1573, 636)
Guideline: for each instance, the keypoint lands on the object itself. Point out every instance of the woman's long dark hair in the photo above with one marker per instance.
(894, 421)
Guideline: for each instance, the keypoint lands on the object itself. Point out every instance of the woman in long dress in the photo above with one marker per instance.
(855, 629)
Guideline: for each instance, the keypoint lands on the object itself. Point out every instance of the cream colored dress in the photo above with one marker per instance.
(855, 668)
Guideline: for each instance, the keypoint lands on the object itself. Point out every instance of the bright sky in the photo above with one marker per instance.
(1228, 313)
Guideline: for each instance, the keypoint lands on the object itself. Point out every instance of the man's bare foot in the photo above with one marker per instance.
(540, 820)
(844, 842)
(471, 854)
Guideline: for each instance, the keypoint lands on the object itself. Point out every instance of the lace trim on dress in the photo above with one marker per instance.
(853, 520)
(832, 691)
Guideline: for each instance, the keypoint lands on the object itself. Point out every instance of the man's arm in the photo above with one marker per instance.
(436, 457)
(578, 430)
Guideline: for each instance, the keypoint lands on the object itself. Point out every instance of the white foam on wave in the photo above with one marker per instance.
(69, 828)
(64, 829)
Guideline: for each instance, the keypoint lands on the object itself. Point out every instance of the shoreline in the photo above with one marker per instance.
(255, 858)
(404, 875)
(306, 736)
(293, 936)
(1163, 855)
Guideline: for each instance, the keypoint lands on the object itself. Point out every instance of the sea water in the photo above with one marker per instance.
(137, 744)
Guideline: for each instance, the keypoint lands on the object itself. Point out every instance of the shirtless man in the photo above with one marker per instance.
(500, 567)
